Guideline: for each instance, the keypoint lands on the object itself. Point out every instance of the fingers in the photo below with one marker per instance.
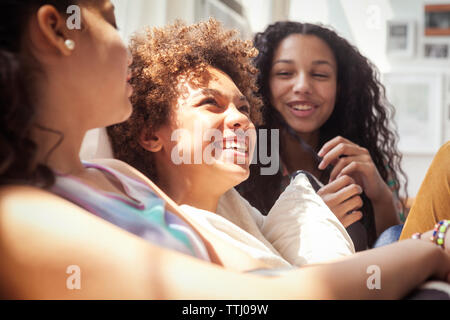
(346, 212)
(351, 218)
(349, 191)
(342, 197)
(336, 148)
(350, 205)
(336, 185)
(363, 167)
(345, 161)
(331, 144)
(336, 193)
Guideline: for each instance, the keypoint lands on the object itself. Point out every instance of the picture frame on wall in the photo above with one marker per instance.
(418, 102)
(401, 38)
(439, 51)
(437, 19)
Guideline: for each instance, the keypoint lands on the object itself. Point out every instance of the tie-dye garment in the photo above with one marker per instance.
(141, 213)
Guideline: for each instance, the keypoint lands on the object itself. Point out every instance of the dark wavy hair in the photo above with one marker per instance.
(18, 163)
(362, 113)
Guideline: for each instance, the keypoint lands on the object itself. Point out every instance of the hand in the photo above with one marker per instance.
(444, 268)
(350, 159)
(426, 236)
(342, 197)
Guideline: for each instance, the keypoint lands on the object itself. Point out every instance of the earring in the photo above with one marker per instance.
(70, 44)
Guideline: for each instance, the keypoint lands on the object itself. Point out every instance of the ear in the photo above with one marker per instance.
(48, 31)
(150, 141)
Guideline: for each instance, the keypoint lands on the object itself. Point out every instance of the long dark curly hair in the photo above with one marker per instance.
(361, 114)
(18, 163)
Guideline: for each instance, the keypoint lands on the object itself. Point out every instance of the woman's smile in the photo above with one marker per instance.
(302, 109)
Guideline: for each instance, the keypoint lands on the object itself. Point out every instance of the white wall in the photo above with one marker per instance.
(133, 15)
(258, 18)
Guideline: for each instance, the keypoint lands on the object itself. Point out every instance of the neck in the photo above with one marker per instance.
(311, 138)
(187, 191)
(59, 137)
(193, 188)
(294, 156)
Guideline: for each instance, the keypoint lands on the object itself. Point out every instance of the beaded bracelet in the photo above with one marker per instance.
(439, 231)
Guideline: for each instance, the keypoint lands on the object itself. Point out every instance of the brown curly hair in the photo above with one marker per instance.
(160, 57)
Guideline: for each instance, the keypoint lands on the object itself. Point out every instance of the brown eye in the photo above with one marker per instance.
(245, 109)
(209, 101)
(283, 74)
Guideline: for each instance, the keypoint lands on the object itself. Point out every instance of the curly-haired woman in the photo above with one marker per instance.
(169, 114)
(193, 88)
(333, 117)
(59, 214)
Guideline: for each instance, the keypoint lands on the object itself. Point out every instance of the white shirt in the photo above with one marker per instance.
(299, 229)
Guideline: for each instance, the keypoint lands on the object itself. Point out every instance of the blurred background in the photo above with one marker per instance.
(407, 40)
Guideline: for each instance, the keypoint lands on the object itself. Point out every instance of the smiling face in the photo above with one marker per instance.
(303, 82)
(212, 133)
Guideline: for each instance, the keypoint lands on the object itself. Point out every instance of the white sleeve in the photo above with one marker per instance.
(303, 229)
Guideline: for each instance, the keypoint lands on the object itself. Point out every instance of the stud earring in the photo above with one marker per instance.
(70, 44)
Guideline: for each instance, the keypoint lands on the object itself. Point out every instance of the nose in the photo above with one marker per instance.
(302, 84)
(235, 119)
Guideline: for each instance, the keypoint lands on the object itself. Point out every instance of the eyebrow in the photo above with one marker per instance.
(319, 62)
(316, 62)
(215, 92)
(283, 61)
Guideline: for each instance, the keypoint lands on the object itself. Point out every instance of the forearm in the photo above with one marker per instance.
(385, 211)
(403, 266)
(43, 237)
(164, 274)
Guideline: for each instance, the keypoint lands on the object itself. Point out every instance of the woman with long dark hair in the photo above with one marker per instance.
(334, 122)
(105, 222)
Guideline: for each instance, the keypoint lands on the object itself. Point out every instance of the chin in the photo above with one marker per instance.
(304, 128)
(125, 114)
(237, 173)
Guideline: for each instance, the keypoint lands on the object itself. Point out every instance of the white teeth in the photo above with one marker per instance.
(302, 107)
(232, 145)
(236, 145)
